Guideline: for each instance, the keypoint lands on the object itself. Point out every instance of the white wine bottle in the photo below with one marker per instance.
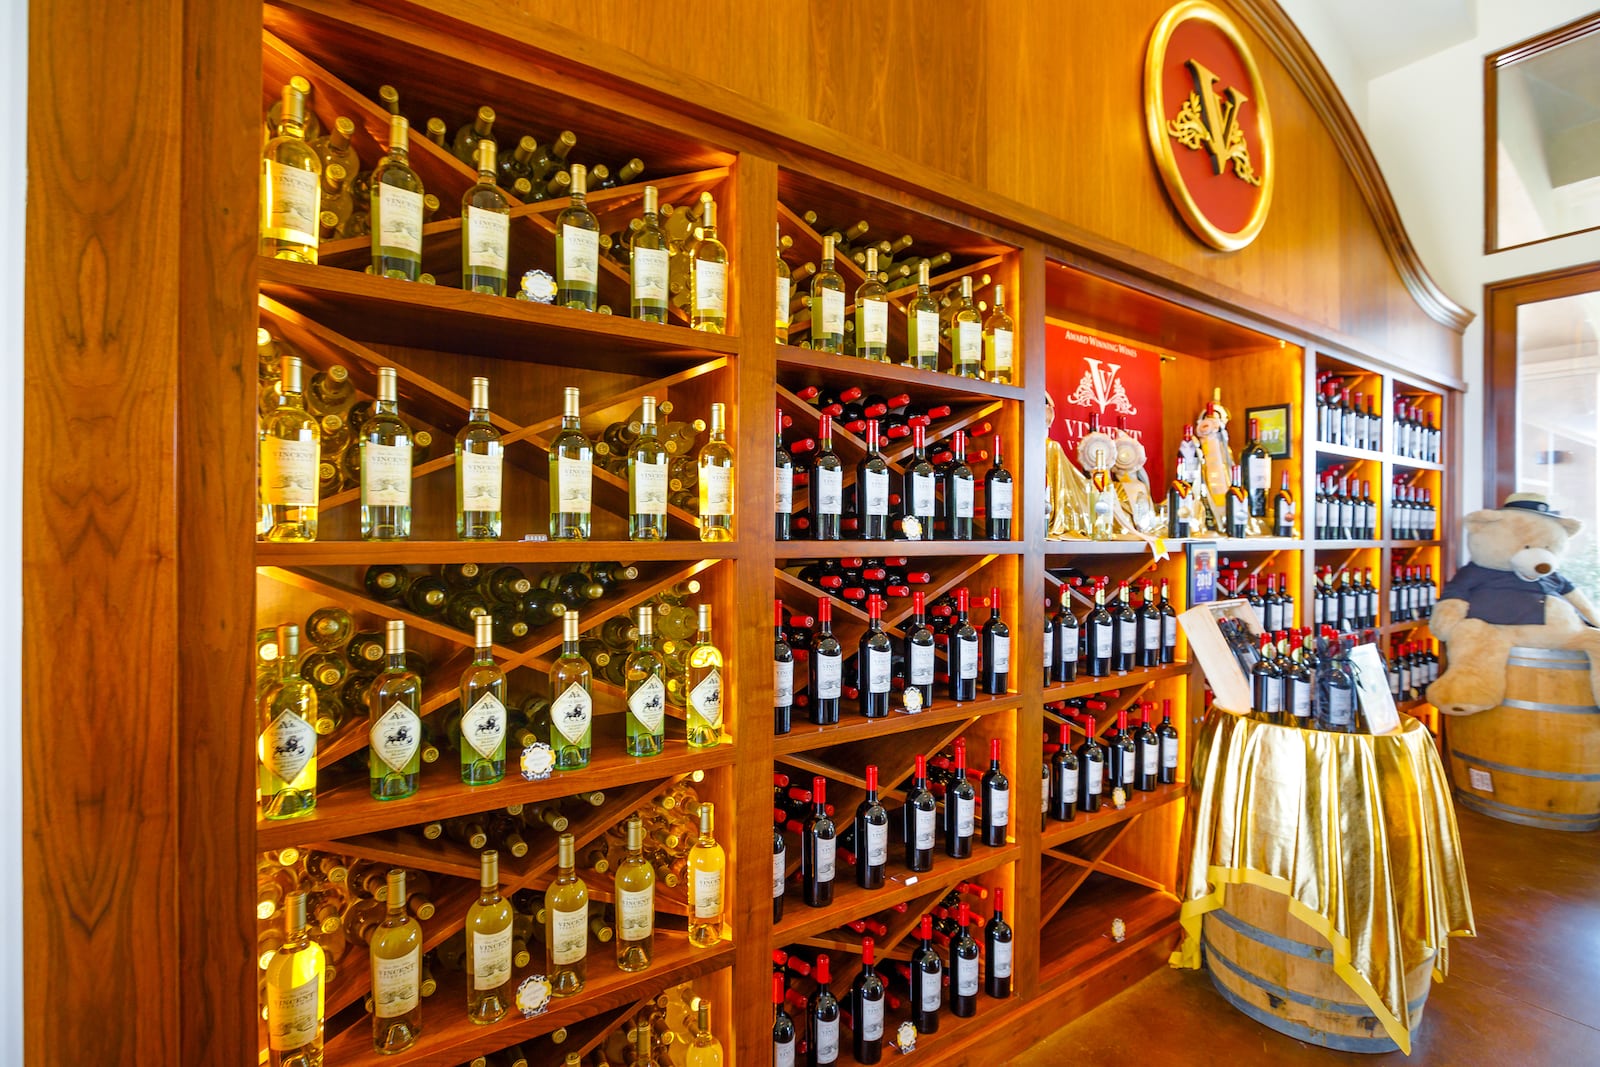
(966, 335)
(485, 230)
(566, 928)
(572, 709)
(295, 991)
(708, 279)
(785, 289)
(394, 738)
(636, 903)
(386, 466)
(647, 479)
(571, 475)
(395, 948)
(715, 479)
(827, 304)
(483, 718)
(472, 134)
(703, 680)
(578, 249)
(707, 870)
(872, 314)
(291, 187)
(922, 325)
(290, 453)
(998, 332)
(644, 678)
(480, 471)
(704, 1050)
(396, 206)
(648, 263)
(488, 944)
(288, 742)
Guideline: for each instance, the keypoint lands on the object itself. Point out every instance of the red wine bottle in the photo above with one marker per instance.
(963, 658)
(1099, 639)
(874, 663)
(872, 489)
(822, 1020)
(827, 486)
(1167, 734)
(1064, 658)
(957, 483)
(918, 487)
(783, 487)
(996, 644)
(921, 817)
(997, 492)
(1063, 778)
(1149, 748)
(867, 996)
(780, 871)
(827, 668)
(1169, 627)
(782, 674)
(927, 980)
(1091, 769)
(1049, 649)
(817, 842)
(963, 967)
(1125, 631)
(996, 799)
(1130, 754)
(997, 938)
(783, 1034)
(959, 800)
(1149, 654)
(917, 650)
(872, 836)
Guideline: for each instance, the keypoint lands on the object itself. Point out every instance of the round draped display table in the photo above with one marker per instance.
(1325, 878)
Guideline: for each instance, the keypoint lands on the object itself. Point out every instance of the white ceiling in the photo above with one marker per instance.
(1385, 35)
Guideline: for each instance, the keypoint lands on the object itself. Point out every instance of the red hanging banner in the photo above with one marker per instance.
(1087, 373)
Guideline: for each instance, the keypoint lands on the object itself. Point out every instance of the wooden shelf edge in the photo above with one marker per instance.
(357, 553)
(1086, 686)
(856, 367)
(1082, 825)
(790, 550)
(805, 736)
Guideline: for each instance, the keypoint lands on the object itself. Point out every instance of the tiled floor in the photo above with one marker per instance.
(1521, 994)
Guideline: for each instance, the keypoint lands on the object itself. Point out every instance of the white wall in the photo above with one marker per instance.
(13, 205)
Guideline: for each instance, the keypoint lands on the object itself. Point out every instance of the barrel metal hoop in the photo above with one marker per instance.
(1529, 772)
(1543, 820)
(1285, 945)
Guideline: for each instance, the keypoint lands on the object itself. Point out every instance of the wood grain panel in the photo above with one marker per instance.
(100, 627)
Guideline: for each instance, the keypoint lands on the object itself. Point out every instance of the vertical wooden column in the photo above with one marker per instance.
(755, 186)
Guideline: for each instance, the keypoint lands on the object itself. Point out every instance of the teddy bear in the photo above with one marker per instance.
(1510, 594)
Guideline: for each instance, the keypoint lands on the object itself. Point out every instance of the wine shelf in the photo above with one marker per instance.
(533, 553)
(1415, 464)
(1085, 686)
(1082, 824)
(803, 736)
(1077, 946)
(788, 550)
(799, 367)
(1326, 449)
(1174, 545)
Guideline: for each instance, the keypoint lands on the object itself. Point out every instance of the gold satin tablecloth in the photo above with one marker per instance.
(1357, 829)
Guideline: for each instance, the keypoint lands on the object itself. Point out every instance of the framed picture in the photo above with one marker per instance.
(1272, 426)
(1202, 572)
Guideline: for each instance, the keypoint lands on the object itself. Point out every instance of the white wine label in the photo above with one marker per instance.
(648, 486)
(873, 323)
(783, 309)
(707, 894)
(1128, 768)
(292, 1013)
(877, 494)
(783, 490)
(1049, 649)
(1070, 648)
(569, 935)
(1091, 771)
(966, 968)
(932, 990)
(580, 256)
(827, 1040)
(488, 234)
(1149, 757)
(832, 320)
(648, 703)
(783, 1054)
(288, 745)
(574, 484)
(396, 983)
(289, 472)
(1341, 705)
(969, 342)
(872, 1019)
(877, 670)
(780, 870)
(782, 683)
(636, 913)
(999, 503)
(921, 668)
(481, 478)
(1000, 358)
(961, 508)
(710, 287)
(1259, 472)
(396, 736)
(290, 201)
(491, 958)
(826, 852)
(922, 494)
(1274, 694)
(1002, 656)
(399, 219)
(830, 490)
(966, 657)
(1001, 954)
(1000, 807)
(923, 824)
(964, 809)
(1480, 779)
(650, 275)
(1169, 752)
(1127, 639)
(1152, 632)
(829, 677)
(925, 340)
(1102, 640)
(385, 475)
(483, 727)
(877, 844)
(571, 712)
(706, 698)
(716, 490)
